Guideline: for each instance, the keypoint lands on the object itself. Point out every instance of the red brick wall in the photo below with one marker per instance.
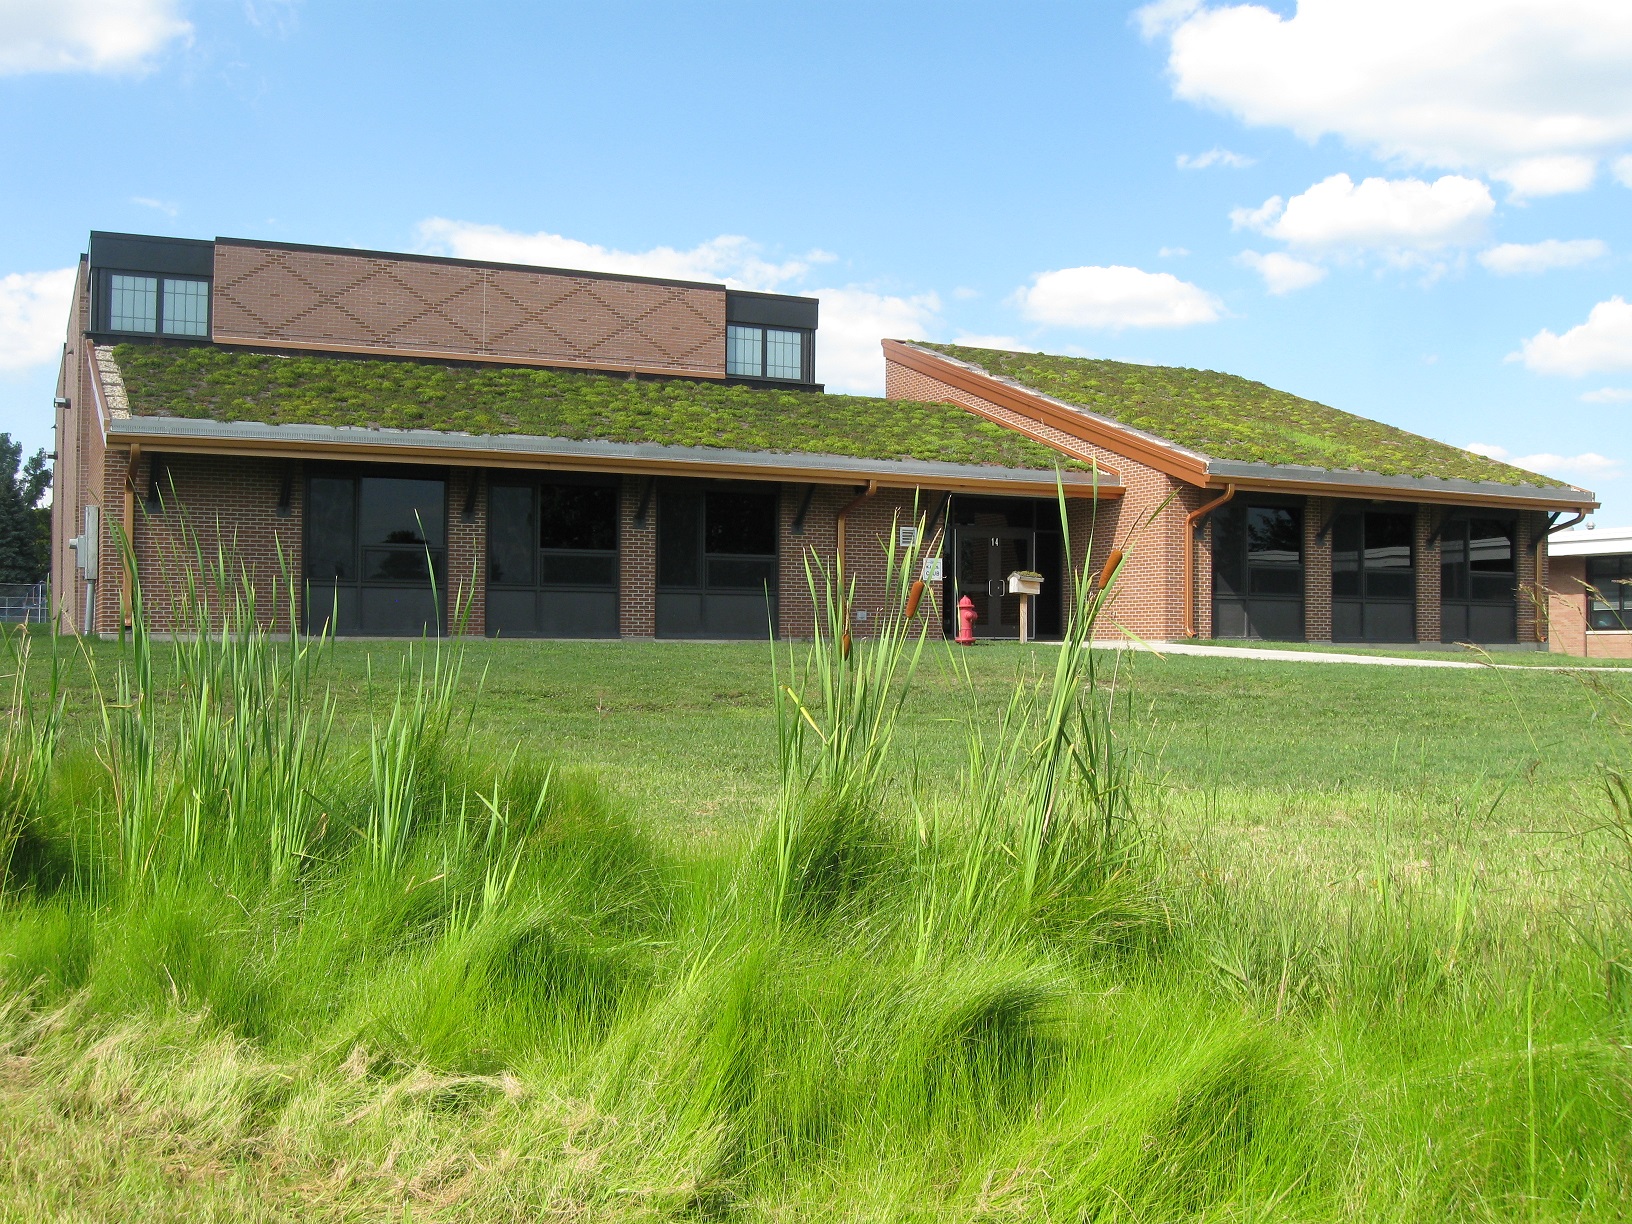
(467, 550)
(1317, 569)
(637, 560)
(1427, 558)
(329, 299)
(215, 512)
(1567, 614)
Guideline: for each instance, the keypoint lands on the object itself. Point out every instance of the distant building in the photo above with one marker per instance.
(1589, 596)
(575, 454)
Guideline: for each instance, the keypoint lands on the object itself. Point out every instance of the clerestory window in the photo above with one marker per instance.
(765, 352)
(163, 305)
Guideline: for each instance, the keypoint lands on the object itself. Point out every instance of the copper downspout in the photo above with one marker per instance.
(1541, 591)
(1190, 521)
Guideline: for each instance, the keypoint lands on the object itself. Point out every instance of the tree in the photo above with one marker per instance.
(25, 525)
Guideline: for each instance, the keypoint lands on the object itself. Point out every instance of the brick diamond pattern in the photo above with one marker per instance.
(329, 300)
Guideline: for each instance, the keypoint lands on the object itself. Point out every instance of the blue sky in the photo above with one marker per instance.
(1418, 212)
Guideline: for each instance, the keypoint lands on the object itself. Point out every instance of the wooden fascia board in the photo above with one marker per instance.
(1168, 460)
(375, 350)
(1407, 496)
(469, 457)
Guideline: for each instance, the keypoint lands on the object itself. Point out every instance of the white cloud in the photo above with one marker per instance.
(1378, 214)
(162, 206)
(848, 357)
(1010, 344)
(1172, 252)
(1215, 157)
(33, 316)
(1587, 465)
(1491, 86)
(1623, 170)
(1602, 344)
(1515, 258)
(729, 258)
(1283, 273)
(86, 35)
(1608, 395)
(1545, 176)
(1116, 297)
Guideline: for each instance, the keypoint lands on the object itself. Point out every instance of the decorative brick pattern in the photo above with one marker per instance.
(334, 300)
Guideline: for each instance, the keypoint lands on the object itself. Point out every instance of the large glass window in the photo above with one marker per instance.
(133, 303)
(1274, 551)
(716, 560)
(1609, 599)
(186, 307)
(1258, 571)
(765, 352)
(1372, 556)
(168, 305)
(376, 549)
(1477, 560)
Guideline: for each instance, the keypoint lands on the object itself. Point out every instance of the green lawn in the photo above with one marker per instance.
(1353, 951)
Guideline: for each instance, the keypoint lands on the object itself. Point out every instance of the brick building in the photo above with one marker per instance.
(424, 444)
(1590, 593)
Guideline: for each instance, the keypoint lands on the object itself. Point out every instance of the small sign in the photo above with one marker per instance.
(932, 571)
(906, 537)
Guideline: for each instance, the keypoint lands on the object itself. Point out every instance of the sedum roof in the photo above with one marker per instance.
(1221, 416)
(223, 384)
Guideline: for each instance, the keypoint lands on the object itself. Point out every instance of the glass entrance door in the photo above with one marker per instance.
(376, 553)
(985, 559)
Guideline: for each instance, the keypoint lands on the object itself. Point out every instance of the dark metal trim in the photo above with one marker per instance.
(644, 510)
(798, 527)
(286, 491)
(468, 514)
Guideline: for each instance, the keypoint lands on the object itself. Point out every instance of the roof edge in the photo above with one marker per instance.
(484, 449)
(1223, 471)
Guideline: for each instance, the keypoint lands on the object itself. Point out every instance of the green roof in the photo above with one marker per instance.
(1222, 416)
(222, 384)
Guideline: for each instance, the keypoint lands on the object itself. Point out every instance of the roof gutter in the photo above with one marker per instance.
(1190, 521)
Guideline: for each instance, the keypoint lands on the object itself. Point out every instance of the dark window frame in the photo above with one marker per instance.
(437, 554)
(1363, 572)
(535, 485)
(1609, 594)
(705, 558)
(806, 344)
(104, 304)
(1458, 530)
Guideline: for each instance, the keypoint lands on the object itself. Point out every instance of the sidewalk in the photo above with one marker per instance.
(1323, 656)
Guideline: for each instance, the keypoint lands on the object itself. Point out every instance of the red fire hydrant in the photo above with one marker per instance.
(966, 622)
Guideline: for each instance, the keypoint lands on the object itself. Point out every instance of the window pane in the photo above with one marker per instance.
(1278, 581)
(401, 564)
(1609, 578)
(580, 569)
(186, 307)
(1453, 561)
(741, 523)
(510, 547)
(1346, 537)
(133, 304)
(1273, 537)
(1492, 588)
(1229, 551)
(578, 516)
(330, 530)
(679, 526)
(784, 354)
(1490, 545)
(743, 350)
(1388, 542)
(402, 511)
(741, 574)
(1391, 584)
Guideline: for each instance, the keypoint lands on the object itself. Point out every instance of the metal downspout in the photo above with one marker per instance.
(844, 515)
(1190, 521)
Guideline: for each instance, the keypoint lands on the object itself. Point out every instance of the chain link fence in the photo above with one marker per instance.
(24, 602)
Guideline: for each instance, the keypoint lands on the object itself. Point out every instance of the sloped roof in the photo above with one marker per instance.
(211, 383)
(1227, 418)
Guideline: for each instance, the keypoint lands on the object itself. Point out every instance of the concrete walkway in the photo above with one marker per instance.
(1327, 656)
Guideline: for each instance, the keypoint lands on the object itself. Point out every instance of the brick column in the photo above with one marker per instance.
(1317, 570)
(637, 561)
(110, 568)
(1531, 627)
(1426, 558)
(467, 550)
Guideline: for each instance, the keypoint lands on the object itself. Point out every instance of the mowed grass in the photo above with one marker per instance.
(1327, 942)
